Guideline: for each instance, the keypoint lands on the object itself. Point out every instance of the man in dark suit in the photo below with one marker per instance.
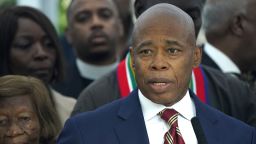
(223, 92)
(230, 30)
(163, 55)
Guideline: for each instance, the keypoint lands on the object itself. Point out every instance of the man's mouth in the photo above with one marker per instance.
(98, 40)
(159, 84)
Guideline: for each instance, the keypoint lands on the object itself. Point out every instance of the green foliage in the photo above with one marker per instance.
(63, 5)
(7, 3)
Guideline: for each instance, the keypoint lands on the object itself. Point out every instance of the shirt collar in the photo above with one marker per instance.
(222, 60)
(93, 72)
(185, 107)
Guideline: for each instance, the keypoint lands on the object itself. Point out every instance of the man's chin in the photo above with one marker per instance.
(99, 51)
(164, 98)
(100, 55)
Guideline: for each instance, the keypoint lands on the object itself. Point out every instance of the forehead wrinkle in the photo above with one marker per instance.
(166, 42)
(173, 42)
(145, 44)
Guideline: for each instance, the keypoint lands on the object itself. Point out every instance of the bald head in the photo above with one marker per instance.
(166, 18)
(191, 7)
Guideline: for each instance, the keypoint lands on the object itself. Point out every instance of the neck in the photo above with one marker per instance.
(100, 60)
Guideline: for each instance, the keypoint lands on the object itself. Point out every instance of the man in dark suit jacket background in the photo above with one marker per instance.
(163, 55)
(230, 30)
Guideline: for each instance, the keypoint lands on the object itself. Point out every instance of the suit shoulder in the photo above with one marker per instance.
(100, 92)
(102, 85)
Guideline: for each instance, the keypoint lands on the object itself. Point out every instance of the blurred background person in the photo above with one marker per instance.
(126, 15)
(94, 31)
(230, 30)
(29, 46)
(27, 114)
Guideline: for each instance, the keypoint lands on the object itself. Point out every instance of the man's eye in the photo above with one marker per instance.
(173, 51)
(105, 14)
(145, 52)
(82, 17)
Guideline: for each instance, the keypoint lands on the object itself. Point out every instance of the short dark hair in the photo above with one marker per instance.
(8, 29)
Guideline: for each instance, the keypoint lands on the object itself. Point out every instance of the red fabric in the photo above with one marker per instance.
(122, 79)
(200, 86)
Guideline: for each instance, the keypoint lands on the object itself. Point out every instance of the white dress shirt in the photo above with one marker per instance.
(93, 72)
(222, 60)
(157, 127)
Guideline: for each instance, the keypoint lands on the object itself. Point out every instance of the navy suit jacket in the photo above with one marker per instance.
(122, 122)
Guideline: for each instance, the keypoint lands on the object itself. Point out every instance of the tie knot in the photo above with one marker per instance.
(170, 116)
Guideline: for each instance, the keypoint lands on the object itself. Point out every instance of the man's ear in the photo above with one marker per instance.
(197, 56)
(132, 57)
(237, 25)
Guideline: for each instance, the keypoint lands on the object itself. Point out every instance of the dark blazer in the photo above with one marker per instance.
(226, 93)
(122, 122)
(73, 83)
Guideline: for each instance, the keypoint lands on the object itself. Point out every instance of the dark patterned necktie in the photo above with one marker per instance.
(173, 135)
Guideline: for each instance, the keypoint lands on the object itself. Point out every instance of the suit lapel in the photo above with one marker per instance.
(208, 120)
(131, 128)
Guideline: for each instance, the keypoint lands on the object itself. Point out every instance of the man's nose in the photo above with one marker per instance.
(96, 22)
(159, 62)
